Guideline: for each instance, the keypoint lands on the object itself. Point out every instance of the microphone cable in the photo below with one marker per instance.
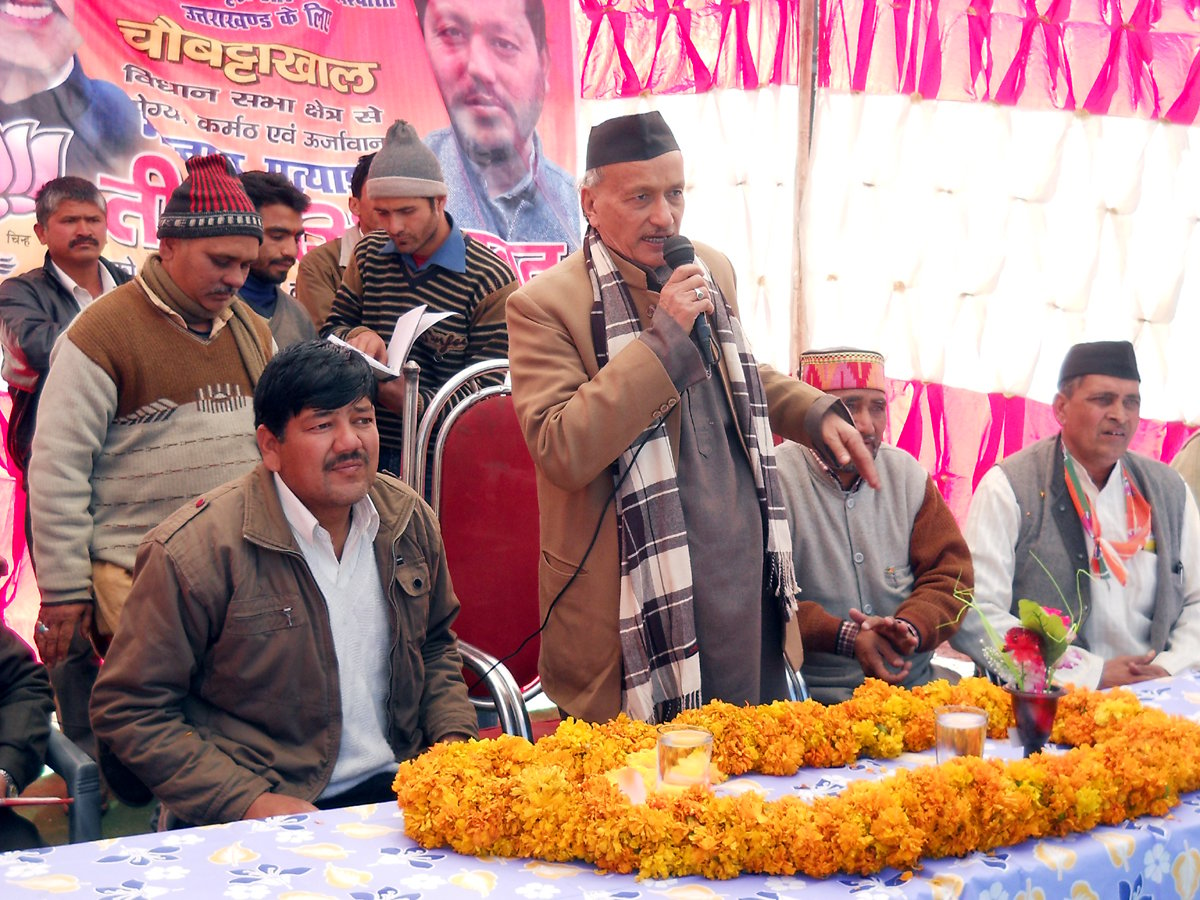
(586, 553)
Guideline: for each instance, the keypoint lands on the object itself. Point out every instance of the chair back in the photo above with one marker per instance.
(82, 777)
(484, 493)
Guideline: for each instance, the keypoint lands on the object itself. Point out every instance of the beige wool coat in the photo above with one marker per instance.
(577, 419)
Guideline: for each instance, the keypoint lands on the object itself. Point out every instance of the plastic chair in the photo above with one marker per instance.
(485, 497)
(82, 776)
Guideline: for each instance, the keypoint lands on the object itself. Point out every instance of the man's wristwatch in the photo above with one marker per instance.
(10, 786)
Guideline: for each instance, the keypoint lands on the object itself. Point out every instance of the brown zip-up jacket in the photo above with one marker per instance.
(222, 681)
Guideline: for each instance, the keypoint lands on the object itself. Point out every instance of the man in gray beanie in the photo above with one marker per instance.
(146, 405)
(420, 257)
(1117, 533)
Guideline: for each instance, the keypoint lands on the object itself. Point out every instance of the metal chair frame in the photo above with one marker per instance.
(508, 700)
(437, 406)
(796, 687)
(425, 434)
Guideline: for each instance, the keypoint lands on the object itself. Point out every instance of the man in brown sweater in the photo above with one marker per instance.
(146, 405)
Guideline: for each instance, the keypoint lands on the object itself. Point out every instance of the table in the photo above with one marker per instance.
(362, 853)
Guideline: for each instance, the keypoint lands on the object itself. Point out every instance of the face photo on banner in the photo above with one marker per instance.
(494, 64)
(55, 119)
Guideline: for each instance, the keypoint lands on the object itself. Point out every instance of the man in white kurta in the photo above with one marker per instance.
(1118, 534)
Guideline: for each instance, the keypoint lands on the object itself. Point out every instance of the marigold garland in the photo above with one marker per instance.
(552, 801)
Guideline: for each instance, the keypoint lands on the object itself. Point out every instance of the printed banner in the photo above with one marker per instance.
(121, 91)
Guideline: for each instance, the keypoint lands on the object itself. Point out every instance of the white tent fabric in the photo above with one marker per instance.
(973, 243)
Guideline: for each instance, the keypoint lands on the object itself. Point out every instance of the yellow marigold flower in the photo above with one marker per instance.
(555, 801)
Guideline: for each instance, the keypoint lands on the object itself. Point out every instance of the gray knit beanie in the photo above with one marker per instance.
(404, 167)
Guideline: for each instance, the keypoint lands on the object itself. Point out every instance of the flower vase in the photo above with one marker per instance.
(1034, 712)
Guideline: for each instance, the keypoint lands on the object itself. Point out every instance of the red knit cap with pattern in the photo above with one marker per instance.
(210, 202)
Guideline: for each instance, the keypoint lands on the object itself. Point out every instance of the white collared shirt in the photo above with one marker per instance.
(358, 620)
(1119, 623)
(82, 296)
(350, 238)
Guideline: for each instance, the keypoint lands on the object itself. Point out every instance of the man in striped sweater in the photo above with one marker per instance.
(420, 257)
(146, 405)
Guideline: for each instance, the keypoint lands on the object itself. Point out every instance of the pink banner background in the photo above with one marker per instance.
(1107, 58)
(326, 79)
(958, 435)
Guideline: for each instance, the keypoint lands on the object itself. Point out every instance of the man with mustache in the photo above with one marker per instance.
(492, 66)
(418, 257)
(35, 308)
(282, 208)
(1077, 522)
(147, 403)
(41, 80)
(878, 570)
(289, 638)
(665, 573)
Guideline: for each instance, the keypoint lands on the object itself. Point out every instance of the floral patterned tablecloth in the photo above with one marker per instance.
(362, 853)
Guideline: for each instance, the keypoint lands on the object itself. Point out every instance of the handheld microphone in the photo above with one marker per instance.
(678, 251)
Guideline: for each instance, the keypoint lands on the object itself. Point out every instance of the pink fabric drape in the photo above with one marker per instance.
(686, 46)
(958, 435)
(1113, 57)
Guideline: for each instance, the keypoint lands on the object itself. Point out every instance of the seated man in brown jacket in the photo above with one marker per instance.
(222, 691)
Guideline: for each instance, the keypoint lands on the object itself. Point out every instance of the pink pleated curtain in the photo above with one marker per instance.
(1030, 59)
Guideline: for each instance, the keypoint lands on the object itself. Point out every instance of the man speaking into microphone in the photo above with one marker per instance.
(665, 574)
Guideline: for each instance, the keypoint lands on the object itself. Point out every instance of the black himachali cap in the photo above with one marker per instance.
(629, 139)
(1112, 358)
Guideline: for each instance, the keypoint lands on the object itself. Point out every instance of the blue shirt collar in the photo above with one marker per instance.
(452, 255)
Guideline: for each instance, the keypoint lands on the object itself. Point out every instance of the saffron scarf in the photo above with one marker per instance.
(1109, 556)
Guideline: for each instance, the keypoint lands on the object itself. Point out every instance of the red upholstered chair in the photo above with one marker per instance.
(483, 491)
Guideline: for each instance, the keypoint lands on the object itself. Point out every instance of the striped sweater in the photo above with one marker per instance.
(139, 415)
(378, 288)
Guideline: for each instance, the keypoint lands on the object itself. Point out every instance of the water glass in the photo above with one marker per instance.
(684, 754)
(960, 731)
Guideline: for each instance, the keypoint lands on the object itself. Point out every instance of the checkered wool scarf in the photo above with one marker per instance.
(660, 656)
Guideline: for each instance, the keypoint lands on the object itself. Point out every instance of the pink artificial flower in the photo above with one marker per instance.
(1024, 647)
(1051, 611)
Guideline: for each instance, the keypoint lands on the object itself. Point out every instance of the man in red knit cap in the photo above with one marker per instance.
(147, 404)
